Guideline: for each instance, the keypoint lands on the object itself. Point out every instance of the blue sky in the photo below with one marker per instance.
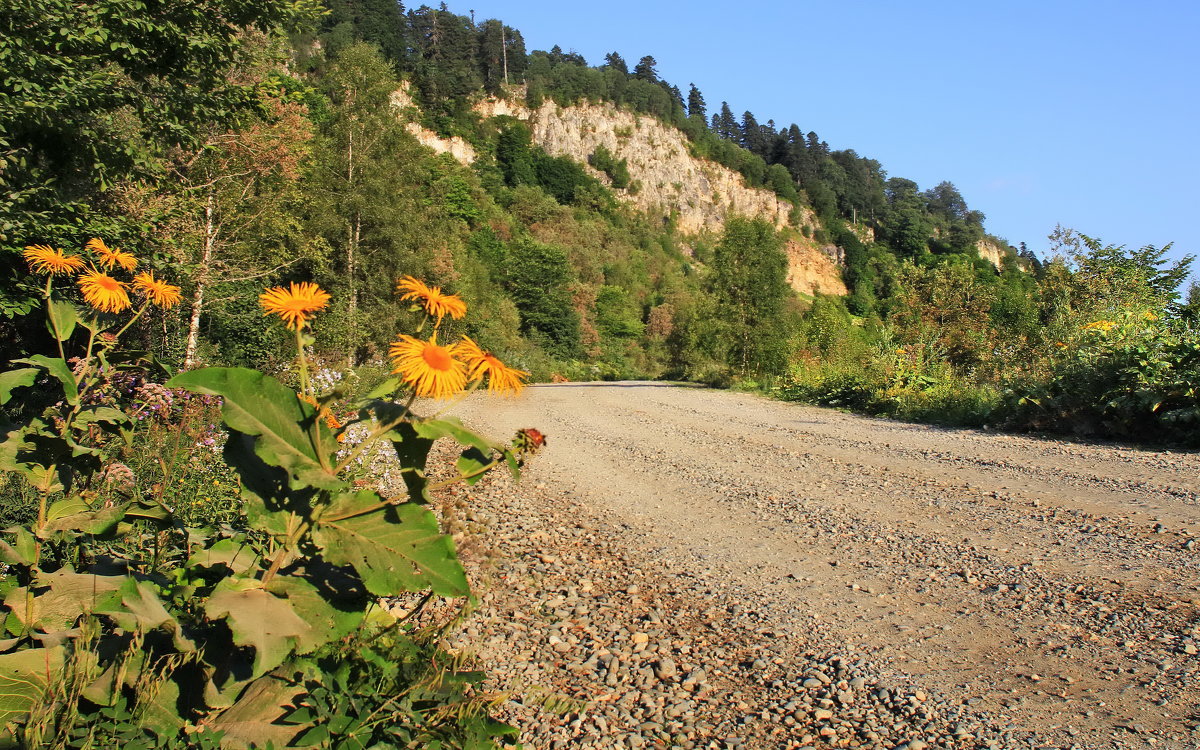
(1079, 113)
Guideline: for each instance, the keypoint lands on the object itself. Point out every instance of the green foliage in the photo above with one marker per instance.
(750, 285)
(616, 169)
(96, 93)
(1097, 346)
(563, 178)
(1134, 377)
(265, 629)
(539, 280)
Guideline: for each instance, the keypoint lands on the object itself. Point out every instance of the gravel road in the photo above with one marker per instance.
(683, 567)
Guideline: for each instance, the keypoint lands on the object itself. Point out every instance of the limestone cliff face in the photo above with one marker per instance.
(455, 146)
(701, 194)
(462, 151)
(813, 268)
(997, 254)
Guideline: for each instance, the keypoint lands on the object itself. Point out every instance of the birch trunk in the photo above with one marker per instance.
(193, 336)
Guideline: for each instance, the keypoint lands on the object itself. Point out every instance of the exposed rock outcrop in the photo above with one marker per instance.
(667, 179)
(699, 193)
(462, 151)
(998, 255)
(813, 269)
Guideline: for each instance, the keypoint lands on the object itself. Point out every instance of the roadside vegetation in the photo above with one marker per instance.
(169, 582)
(200, 540)
(1096, 342)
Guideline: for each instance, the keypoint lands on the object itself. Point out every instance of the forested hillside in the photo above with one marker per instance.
(291, 141)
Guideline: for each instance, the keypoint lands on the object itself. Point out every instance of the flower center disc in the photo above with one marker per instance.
(437, 357)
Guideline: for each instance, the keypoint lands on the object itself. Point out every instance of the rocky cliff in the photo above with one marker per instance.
(997, 254)
(814, 268)
(700, 194)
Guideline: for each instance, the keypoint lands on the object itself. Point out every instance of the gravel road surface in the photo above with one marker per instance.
(684, 567)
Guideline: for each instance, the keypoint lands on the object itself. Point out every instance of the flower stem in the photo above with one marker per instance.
(304, 389)
(461, 397)
(371, 438)
(124, 328)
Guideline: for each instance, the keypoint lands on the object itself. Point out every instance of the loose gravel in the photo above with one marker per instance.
(690, 568)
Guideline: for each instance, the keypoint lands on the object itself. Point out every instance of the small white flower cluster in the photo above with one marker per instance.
(326, 379)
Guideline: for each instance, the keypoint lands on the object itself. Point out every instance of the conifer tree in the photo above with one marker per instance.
(380, 22)
(695, 104)
(726, 126)
(616, 62)
(751, 139)
(517, 60)
(645, 69)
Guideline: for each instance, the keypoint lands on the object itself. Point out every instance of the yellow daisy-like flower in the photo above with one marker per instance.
(501, 377)
(103, 292)
(429, 368)
(436, 302)
(294, 306)
(157, 291)
(1100, 325)
(112, 256)
(47, 260)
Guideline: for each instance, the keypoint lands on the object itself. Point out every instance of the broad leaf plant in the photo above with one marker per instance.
(123, 627)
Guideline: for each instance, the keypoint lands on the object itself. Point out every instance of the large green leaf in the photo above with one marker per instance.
(393, 548)
(25, 675)
(137, 606)
(471, 464)
(270, 503)
(252, 720)
(259, 619)
(61, 597)
(64, 316)
(75, 516)
(233, 554)
(19, 378)
(259, 405)
(59, 369)
(22, 551)
(328, 622)
(161, 711)
(453, 427)
(102, 415)
(413, 451)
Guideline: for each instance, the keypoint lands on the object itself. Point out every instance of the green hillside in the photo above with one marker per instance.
(270, 151)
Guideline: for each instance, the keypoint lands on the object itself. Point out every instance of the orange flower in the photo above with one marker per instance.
(324, 413)
(159, 292)
(103, 292)
(47, 260)
(294, 306)
(110, 257)
(430, 369)
(436, 302)
(501, 378)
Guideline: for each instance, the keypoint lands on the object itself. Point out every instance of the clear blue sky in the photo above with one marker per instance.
(1079, 113)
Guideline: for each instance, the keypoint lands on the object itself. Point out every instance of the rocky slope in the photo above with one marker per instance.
(701, 194)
